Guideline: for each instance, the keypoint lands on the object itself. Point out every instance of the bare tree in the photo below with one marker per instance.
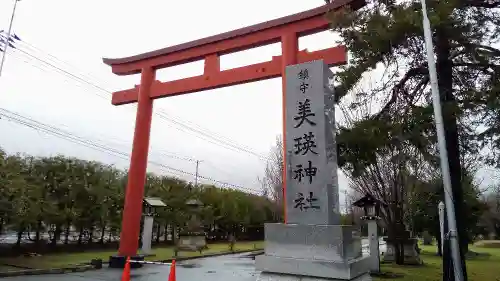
(387, 180)
(389, 174)
(491, 218)
(272, 182)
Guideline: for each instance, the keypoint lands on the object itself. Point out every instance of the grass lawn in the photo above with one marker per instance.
(481, 268)
(4, 268)
(161, 253)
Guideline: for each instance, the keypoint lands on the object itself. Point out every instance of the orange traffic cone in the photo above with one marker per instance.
(171, 276)
(126, 271)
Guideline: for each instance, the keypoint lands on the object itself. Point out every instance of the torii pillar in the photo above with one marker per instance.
(286, 30)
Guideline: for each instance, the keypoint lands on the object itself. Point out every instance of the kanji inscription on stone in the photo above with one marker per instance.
(311, 162)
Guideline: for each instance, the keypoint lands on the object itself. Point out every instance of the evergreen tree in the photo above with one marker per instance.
(388, 35)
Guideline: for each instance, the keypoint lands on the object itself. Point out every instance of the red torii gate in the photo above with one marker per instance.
(286, 30)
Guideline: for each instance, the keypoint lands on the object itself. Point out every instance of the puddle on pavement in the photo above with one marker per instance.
(144, 274)
(240, 262)
(189, 265)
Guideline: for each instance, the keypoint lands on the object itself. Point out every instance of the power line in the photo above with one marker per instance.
(56, 60)
(122, 142)
(197, 132)
(58, 70)
(200, 132)
(72, 137)
(181, 122)
(78, 79)
(215, 167)
(65, 71)
(91, 144)
(226, 145)
(206, 130)
(162, 153)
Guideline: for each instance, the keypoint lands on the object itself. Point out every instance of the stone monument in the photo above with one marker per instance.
(311, 245)
(193, 238)
(410, 249)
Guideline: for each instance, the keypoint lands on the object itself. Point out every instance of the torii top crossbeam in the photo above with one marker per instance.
(211, 48)
(286, 30)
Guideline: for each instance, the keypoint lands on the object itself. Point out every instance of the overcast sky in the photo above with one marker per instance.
(81, 32)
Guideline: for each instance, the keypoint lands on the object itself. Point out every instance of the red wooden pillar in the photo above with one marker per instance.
(132, 211)
(289, 53)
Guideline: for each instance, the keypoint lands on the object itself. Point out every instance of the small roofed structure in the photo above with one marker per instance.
(151, 204)
(371, 206)
(194, 203)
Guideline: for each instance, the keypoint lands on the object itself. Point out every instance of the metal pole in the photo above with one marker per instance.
(445, 169)
(8, 36)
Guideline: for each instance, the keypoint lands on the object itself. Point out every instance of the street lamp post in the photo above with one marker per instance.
(8, 36)
(445, 169)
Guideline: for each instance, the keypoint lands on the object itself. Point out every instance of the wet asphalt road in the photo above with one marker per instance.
(238, 267)
(232, 267)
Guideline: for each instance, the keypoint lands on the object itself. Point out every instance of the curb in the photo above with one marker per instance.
(80, 268)
(210, 255)
(204, 256)
(87, 267)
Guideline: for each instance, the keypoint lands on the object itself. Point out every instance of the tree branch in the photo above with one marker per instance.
(490, 4)
(488, 48)
(476, 64)
(476, 47)
(421, 70)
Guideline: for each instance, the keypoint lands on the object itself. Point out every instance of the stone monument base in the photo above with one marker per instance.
(267, 276)
(320, 252)
(194, 242)
(411, 256)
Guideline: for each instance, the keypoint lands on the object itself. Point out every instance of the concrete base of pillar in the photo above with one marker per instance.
(312, 252)
(268, 276)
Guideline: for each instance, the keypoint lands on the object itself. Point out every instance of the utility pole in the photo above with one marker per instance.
(8, 36)
(196, 175)
(454, 242)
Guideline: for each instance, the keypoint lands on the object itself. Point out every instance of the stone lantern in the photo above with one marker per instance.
(150, 206)
(193, 238)
(371, 207)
